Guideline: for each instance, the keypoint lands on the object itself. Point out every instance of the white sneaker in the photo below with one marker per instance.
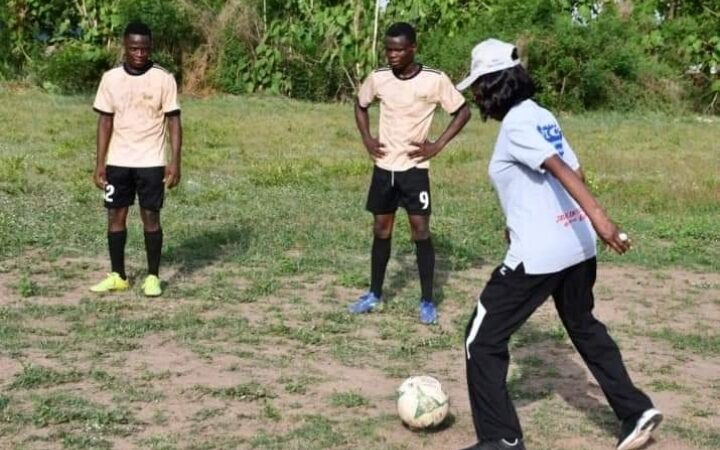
(636, 434)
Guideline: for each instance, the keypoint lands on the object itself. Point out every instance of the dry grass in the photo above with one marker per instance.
(235, 20)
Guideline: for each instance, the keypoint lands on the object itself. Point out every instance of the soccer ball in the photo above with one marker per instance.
(422, 403)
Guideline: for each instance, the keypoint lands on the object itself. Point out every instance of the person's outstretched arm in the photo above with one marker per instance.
(571, 181)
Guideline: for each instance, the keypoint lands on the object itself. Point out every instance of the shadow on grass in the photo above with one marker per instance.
(207, 247)
(553, 352)
(449, 257)
(577, 394)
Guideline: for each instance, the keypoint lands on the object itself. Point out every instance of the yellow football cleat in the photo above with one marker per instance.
(151, 286)
(112, 282)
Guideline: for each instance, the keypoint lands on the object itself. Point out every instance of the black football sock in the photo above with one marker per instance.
(116, 246)
(378, 264)
(153, 249)
(425, 254)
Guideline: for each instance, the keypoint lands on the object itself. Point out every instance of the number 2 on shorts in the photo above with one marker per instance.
(109, 191)
(424, 199)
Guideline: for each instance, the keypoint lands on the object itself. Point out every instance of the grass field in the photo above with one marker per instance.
(267, 241)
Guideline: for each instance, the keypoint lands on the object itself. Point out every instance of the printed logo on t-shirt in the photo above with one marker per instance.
(553, 134)
(569, 217)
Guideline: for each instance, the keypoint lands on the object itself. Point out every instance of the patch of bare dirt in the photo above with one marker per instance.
(9, 367)
(632, 301)
(6, 292)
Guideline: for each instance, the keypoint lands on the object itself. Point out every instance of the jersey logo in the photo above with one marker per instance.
(552, 134)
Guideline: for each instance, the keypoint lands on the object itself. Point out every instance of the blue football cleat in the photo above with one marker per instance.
(366, 303)
(428, 312)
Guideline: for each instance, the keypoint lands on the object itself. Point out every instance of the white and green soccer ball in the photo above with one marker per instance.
(422, 403)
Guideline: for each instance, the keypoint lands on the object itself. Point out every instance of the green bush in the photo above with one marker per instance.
(319, 57)
(691, 44)
(75, 67)
(586, 66)
(169, 22)
(241, 68)
(449, 53)
(172, 28)
(315, 82)
(315, 55)
(233, 68)
(578, 66)
(640, 54)
(7, 64)
(164, 59)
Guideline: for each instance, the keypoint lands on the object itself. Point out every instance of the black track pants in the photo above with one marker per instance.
(507, 301)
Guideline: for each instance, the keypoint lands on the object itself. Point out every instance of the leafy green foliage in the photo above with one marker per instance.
(589, 67)
(686, 33)
(67, 45)
(32, 29)
(75, 67)
(173, 32)
(585, 54)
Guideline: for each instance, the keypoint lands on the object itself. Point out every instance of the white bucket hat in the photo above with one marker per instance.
(491, 55)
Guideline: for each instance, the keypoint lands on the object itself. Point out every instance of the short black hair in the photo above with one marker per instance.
(402, 29)
(501, 90)
(137, 28)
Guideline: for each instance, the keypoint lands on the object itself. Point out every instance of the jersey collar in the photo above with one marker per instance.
(417, 72)
(137, 73)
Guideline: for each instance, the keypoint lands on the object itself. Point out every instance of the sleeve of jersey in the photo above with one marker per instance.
(366, 93)
(170, 103)
(528, 146)
(450, 99)
(569, 155)
(103, 100)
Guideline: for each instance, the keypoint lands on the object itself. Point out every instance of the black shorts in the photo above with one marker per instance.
(409, 189)
(124, 182)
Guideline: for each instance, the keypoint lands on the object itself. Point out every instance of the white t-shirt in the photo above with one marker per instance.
(548, 230)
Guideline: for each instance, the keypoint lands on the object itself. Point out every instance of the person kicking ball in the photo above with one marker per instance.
(552, 221)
